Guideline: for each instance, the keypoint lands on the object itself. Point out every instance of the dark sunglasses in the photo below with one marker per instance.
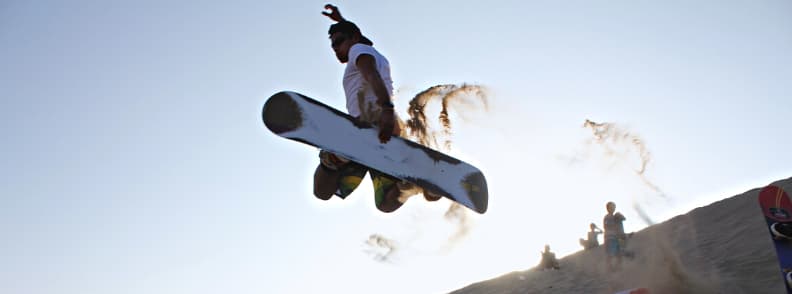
(337, 41)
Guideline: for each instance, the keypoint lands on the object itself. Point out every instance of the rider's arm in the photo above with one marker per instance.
(368, 69)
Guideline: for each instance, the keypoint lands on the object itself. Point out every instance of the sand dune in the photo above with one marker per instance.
(720, 248)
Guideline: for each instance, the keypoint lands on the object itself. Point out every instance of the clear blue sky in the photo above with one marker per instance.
(135, 160)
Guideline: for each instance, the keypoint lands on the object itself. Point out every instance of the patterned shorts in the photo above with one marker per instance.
(352, 174)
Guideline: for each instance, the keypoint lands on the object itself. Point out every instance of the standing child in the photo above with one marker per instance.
(613, 223)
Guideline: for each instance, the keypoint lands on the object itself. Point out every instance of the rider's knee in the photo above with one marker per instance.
(323, 195)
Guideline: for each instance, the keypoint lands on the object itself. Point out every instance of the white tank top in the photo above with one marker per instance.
(359, 95)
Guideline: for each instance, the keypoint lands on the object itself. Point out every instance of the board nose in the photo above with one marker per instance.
(281, 113)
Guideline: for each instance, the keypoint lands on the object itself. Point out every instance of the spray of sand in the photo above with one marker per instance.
(381, 248)
(458, 215)
(620, 144)
(642, 214)
(618, 141)
(668, 273)
(660, 268)
(461, 99)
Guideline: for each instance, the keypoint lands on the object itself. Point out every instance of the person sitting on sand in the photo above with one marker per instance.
(592, 240)
(549, 260)
(614, 236)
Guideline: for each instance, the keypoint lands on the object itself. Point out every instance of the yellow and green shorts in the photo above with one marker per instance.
(352, 173)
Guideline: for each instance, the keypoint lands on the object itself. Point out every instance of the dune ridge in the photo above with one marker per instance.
(723, 247)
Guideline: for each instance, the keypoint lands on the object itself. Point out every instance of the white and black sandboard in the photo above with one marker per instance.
(297, 117)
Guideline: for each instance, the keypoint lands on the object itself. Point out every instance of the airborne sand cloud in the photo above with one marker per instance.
(461, 99)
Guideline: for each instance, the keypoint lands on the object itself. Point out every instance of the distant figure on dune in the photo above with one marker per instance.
(549, 260)
(614, 236)
(592, 241)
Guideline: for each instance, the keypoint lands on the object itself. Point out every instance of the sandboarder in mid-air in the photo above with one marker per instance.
(368, 88)
(369, 139)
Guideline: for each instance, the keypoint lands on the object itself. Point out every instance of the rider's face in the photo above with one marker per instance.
(340, 44)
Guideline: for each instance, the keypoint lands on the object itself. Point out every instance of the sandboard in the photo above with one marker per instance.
(297, 117)
(777, 210)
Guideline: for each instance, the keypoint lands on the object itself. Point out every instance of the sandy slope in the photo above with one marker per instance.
(721, 248)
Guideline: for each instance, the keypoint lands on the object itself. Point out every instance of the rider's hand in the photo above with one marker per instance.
(334, 13)
(387, 122)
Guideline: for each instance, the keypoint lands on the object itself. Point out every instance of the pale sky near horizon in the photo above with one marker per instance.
(135, 160)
